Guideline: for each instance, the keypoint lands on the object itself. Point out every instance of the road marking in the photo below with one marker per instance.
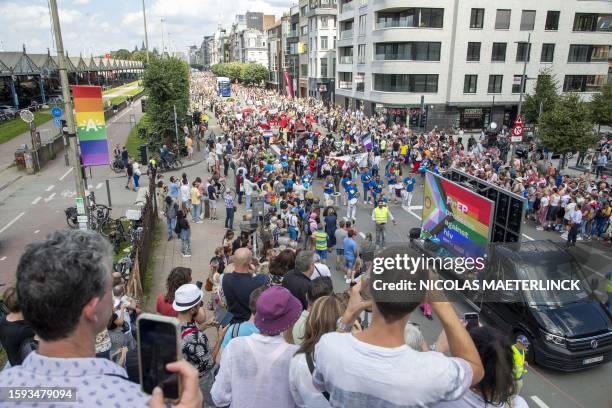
(50, 188)
(559, 390)
(593, 270)
(66, 173)
(3, 258)
(528, 237)
(345, 218)
(362, 235)
(68, 193)
(36, 200)
(12, 222)
(51, 197)
(37, 231)
(99, 186)
(414, 215)
(538, 401)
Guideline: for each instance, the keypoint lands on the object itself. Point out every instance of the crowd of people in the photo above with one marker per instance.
(289, 338)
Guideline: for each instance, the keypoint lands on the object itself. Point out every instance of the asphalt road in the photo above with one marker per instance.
(33, 206)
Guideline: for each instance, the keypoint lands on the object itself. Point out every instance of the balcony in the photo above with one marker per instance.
(345, 85)
(293, 33)
(346, 59)
(347, 7)
(346, 34)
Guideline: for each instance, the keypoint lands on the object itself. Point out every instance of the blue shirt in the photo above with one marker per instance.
(352, 192)
(346, 182)
(350, 249)
(379, 186)
(409, 183)
(245, 329)
(306, 181)
(365, 178)
(329, 187)
(174, 190)
(269, 167)
(289, 183)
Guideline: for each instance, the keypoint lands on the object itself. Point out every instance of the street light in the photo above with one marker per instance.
(523, 77)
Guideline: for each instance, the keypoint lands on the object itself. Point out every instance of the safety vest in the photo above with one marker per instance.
(320, 240)
(380, 215)
(518, 356)
(609, 284)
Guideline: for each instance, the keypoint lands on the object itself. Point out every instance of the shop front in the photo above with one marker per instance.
(474, 118)
(402, 115)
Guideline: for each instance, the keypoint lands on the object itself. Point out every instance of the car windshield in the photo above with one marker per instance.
(555, 272)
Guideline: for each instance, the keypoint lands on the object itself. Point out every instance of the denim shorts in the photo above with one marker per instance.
(322, 253)
(349, 263)
(339, 251)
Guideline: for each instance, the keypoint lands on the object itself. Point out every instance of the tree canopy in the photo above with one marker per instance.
(601, 106)
(249, 74)
(545, 93)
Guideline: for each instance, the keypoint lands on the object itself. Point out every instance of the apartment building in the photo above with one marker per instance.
(275, 56)
(318, 48)
(247, 38)
(218, 48)
(460, 62)
(290, 57)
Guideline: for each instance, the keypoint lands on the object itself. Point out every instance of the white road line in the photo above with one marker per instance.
(415, 215)
(121, 115)
(51, 197)
(36, 200)
(593, 270)
(50, 188)
(99, 186)
(66, 173)
(528, 237)
(12, 222)
(538, 401)
(362, 235)
(3, 258)
(37, 231)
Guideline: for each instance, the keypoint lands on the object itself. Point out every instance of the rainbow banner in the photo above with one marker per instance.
(456, 218)
(90, 124)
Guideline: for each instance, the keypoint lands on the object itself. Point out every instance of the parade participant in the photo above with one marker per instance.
(366, 178)
(345, 183)
(409, 183)
(329, 189)
(380, 216)
(519, 353)
(353, 196)
(320, 242)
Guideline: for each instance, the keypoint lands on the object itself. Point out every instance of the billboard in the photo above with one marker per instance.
(90, 124)
(456, 218)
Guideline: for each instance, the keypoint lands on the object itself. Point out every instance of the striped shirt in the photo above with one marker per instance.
(320, 240)
(229, 201)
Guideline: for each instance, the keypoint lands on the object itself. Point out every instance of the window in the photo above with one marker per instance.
(523, 52)
(359, 81)
(412, 17)
(495, 83)
(405, 83)
(361, 54)
(583, 83)
(407, 51)
(477, 18)
(304, 30)
(592, 22)
(303, 11)
(324, 22)
(345, 80)
(346, 55)
(304, 70)
(323, 42)
(362, 24)
(600, 53)
(470, 84)
(552, 20)
(588, 53)
(473, 51)
(324, 67)
(528, 20)
(516, 84)
(502, 19)
(333, 71)
(498, 53)
(334, 43)
(548, 53)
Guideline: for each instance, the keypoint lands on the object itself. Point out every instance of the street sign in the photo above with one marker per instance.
(56, 112)
(26, 116)
(57, 122)
(517, 130)
(80, 205)
(82, 219)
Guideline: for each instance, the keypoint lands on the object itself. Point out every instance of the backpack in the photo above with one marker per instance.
(310, 363)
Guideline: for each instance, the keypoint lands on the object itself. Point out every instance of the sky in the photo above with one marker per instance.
(98, 26)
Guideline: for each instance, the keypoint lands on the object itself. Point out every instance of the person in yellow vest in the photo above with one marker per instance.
(519, 354)
(380, 216)
(609, 290)
(320, 242)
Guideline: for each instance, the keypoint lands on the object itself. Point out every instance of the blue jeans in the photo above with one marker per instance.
(292, 233)
(136, 181)
(171, 223)
(365, 193)
(229, 217)
(186, 241)
(248, 201)
(196, 209)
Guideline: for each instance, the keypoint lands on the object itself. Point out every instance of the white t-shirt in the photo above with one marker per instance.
(360, 375)
(320, 269)
(473, 400)
(304, 394)
(185, 192)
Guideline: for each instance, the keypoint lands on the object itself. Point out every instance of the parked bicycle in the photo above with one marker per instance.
(98, 214)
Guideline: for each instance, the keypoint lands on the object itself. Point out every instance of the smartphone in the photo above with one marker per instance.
(159, 344)
(199, 284)
(223, 316)
(471, 320)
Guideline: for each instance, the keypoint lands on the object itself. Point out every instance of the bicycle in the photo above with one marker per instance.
(99, 214)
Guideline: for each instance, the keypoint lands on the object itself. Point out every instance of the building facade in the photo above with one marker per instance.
(290, 57)
(460, 63)
(275, 56)
(219, 49)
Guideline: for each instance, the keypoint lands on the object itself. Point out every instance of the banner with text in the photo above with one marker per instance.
(90, 124)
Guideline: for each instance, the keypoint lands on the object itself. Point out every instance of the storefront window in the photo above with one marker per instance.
(474, 118)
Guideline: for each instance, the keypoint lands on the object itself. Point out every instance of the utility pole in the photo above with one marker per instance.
(74, 148)
(523, 79)
(176, 126)
(144, 16)
(163, 43)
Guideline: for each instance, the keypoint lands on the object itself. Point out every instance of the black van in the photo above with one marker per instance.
(568, 330)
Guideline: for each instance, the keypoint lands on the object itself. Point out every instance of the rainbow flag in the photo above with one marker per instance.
(90, 124)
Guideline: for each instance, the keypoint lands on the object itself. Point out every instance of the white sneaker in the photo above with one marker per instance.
(579, 238)
(564, 236)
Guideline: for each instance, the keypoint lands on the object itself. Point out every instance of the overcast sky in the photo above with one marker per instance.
(98, 26)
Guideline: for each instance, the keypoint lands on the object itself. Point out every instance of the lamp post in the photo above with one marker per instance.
(144, 16)
(523, 77)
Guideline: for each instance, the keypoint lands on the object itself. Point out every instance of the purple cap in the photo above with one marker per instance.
(277, 309)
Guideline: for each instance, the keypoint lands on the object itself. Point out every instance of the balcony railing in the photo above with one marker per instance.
(292, 33)
(347, 7)
(346, 59)
(345, 85)
(346, 34)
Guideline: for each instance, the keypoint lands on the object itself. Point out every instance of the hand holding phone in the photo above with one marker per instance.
(471, 321)
(223, 317)
(191, 395)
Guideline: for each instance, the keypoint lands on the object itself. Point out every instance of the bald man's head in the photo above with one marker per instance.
(242, 259)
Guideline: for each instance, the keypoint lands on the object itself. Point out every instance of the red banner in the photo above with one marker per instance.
(289, 87)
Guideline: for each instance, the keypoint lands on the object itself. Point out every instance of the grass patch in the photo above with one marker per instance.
(120, 87)
(14, 127)
(133, 140)
(134, 91)
(148, 278)
(116, 100)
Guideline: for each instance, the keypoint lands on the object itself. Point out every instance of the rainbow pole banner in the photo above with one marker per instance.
(90, 124)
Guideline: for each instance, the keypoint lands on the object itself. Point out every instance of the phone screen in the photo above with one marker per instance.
(158, 347)
(223, 316)
(471, 320)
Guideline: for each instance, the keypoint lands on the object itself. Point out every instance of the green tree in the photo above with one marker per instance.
(566, 127)
(545, 93)
(166, 83)
(253, 74)
(233, 71)
(121, 54)
(601, 106)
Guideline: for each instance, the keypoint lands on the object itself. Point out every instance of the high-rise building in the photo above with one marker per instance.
(462, 61)
(290, 60)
